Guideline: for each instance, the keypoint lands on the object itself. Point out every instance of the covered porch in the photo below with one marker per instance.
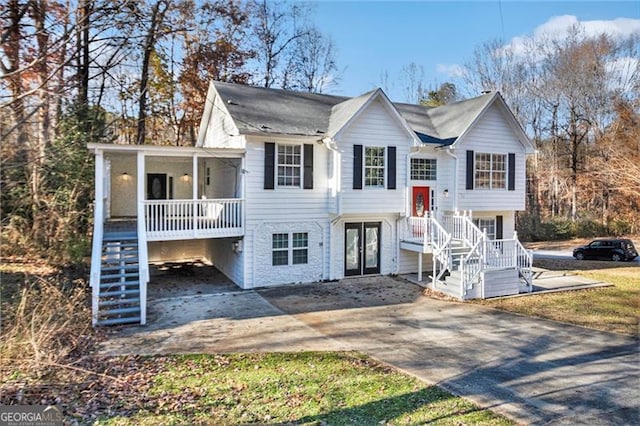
(173, 193)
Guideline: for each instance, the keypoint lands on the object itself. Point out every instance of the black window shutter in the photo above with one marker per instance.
(391, 167)
(470, 169)
(357, 167)
(308, 166)
(499, 233)
(511, 173)
(269, 165)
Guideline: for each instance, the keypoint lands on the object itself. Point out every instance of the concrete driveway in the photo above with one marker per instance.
(534, 371)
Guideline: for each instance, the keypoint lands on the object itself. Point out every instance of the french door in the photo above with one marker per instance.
(362, 248)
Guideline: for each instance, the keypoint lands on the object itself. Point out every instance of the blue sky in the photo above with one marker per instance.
(377, 36)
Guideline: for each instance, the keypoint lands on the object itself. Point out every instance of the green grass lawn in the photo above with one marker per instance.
(294, 388)
(613, 309)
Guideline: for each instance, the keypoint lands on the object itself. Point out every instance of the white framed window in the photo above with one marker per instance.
(290, 248)
(487, 224)
(423, 169)
(280, 249)
(300, 248)
(490, 171)
(374, 166)
(289, 165)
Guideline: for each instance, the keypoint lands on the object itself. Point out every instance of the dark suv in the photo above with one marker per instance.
(615, 249)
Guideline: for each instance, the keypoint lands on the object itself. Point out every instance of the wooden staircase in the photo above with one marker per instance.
(119, 286)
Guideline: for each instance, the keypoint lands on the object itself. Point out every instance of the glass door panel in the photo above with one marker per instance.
(352, 249)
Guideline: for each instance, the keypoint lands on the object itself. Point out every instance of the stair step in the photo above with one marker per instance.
(118, 236)
(119, 311)
(115, 321)
(117, 259)
(125, 267)
(116, 276)
(119, 301)
(121, 245)
(115, 252)
(119, 284)
(119, 293)
(114, 286)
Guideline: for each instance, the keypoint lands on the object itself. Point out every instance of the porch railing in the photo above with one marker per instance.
(194, 218)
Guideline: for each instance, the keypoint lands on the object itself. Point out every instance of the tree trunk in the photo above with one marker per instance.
(157, 16)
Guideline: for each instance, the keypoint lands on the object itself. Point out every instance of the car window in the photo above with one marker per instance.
(595, 244)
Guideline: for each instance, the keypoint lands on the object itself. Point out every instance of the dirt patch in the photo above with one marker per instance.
(170, 280)
(580, 265)
(569, 244)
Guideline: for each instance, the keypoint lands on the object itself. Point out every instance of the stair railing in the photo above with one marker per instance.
(441, 243)
(523, 262)
(96, 257)
(472, 264)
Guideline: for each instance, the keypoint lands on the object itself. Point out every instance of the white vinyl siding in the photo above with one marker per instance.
(490, 134)
(282, 211)
(226, 260)
(374, 127)
(221, 127)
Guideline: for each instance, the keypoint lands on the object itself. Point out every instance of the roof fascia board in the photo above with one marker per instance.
(390, 107)
(517, 127)
(264, 135)
(166, 151)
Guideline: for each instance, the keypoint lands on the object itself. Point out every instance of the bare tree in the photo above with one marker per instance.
(413, 85)
(275, 29)
(312, 65)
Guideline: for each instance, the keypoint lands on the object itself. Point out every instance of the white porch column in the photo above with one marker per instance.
(194, 193)
(140, 195)
(143, 275)
(194, 181)
(420, 267)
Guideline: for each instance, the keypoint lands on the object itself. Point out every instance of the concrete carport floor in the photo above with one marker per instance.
(532, 370)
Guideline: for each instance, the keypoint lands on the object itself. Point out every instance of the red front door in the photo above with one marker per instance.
(420, 201)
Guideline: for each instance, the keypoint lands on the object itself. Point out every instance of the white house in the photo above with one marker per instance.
(287, 187)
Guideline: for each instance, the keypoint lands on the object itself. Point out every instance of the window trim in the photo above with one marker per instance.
(299, 166)
(494, 224)
(290, 248)
(491, 171)
(434, 170)
(382, 167)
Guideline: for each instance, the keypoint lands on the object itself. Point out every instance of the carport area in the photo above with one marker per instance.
(172, 280)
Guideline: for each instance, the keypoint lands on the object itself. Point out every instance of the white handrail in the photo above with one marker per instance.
(441, 242)
(190, 217)
(96, 258)
(524, 262)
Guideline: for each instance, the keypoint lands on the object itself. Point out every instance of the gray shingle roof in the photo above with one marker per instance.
(276, 111)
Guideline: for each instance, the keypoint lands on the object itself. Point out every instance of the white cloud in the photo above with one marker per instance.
(557, 28)
(451, 70)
